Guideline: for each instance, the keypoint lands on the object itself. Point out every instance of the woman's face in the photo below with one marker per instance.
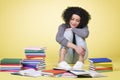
(74, 21)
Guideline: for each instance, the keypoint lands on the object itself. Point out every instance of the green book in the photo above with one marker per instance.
(34, 51)
(10, 61)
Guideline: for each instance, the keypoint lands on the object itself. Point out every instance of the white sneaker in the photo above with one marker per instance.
(78, 65)
(64, 65)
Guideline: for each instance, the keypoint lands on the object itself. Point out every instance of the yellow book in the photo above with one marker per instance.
(103, 64)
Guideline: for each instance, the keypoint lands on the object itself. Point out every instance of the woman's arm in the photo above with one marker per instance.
(79, 49)
(84, 32)
(60, 35)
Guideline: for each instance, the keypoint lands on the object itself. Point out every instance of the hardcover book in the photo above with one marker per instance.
(98, 60)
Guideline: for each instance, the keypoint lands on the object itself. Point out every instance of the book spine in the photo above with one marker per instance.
(11, 61)
(103, 68)
(104, 65)
(99, 60)
(34, 51)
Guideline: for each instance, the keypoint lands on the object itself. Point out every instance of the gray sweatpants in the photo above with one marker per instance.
(71, 57)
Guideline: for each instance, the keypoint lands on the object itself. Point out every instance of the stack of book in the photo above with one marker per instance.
(101, 64)
(35, 53)
(10, 64)
(35, 58)
(37, 64)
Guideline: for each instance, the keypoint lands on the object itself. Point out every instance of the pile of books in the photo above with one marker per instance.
(37, 64)
(35, 53)
(10, 64)
(35, 58)
(56, 72)
(101, 64)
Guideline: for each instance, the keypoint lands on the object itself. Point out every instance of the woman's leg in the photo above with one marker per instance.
(79, 59)
(81, 42)
(67, 53)
(62, 54)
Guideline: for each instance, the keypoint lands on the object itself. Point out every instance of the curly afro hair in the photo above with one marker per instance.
(84, 15)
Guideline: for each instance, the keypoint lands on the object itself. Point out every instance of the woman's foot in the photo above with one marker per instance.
(64, 65)
(78, 65)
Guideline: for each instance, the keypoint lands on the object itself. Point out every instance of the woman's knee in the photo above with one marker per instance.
(68, 35)
(80, 42)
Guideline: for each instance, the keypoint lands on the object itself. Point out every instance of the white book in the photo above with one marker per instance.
(84, 73)
(28, 72)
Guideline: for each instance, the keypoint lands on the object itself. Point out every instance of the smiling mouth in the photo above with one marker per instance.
(73, 25)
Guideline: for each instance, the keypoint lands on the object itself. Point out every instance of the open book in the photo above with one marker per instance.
(52, 72)
(28, 72)
(59, 73)
(84, 73)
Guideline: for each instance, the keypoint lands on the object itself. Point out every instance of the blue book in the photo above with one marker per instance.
(98, 60)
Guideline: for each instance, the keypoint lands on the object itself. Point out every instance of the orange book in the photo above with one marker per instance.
(104, 68)
(53, 72)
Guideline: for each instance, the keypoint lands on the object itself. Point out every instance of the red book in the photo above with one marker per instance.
(10, 65)
(29, 56)
(9, 70)
(53, 72)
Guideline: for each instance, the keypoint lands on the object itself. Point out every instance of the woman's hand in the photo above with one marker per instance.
(80, 50)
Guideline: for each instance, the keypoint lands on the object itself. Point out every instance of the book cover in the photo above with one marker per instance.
(83, 73)
(28, 72)
(10, 65)
(87, 74)
(11, 61)
(99, 60)
(34, 56)
(68, 75)
(53, 72)
(35, 48)
(105, 64)
(34, 51)
(103, 68)
(33, 60)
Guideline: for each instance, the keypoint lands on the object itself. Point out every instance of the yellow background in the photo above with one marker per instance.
(34, 23)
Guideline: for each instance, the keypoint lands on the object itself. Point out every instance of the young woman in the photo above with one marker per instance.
(71, 36)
